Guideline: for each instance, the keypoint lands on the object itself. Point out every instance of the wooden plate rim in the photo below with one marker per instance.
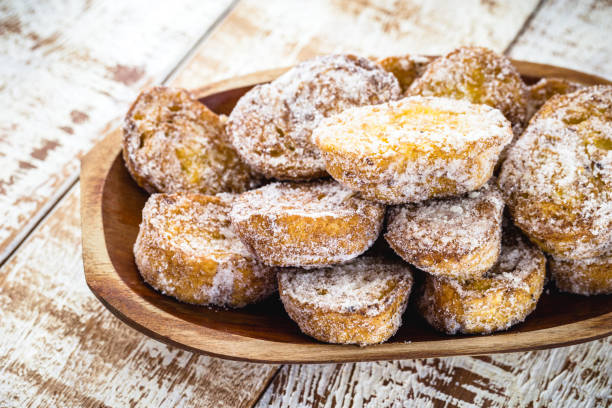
(103, 280)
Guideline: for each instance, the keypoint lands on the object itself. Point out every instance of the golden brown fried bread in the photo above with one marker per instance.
(357, 303)
(503, 297)
(186, 249)
(172, 143)
(413, 149)
(271, 125)
(590, 276)
(306, 224)
(406, 68)
(458, 237)
(557, 179)
(544, 89)
(477, 75)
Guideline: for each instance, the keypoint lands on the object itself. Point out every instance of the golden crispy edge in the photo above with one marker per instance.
(450, 312)
(593, 277)
(349, 328)
(342, 235)
(469, 265)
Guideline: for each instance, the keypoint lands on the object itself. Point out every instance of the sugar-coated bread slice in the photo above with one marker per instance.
(458, 237)
(173, 143)
(357, 303)
(306, 224)
(187, 249)
(557, 178)
(590, 276)
(503, 297)
(413, 149)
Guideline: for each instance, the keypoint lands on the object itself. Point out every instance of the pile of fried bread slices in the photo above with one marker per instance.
(348, 183)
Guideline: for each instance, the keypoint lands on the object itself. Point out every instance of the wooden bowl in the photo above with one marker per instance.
(111, 205)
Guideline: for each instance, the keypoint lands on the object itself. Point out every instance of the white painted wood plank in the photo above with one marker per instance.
(66, 69)
(573, 34)
(278, 33)
(577, 376)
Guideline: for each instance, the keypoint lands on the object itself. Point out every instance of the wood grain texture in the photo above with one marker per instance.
(66, 70)
(257, 36)
(568, 33)
(264, 332)
(61, 347)
(578, 376)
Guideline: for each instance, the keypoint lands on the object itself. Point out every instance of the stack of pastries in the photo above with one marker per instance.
(418, 154)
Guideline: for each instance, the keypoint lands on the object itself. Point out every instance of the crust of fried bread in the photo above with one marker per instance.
(413, 149)
(172, 143)
(546, 88)
(306, 224)
(406, 68)
(357, 303)
(458, 237)
(503, 297)
(557, 179)
(591, 276)
(186, 249)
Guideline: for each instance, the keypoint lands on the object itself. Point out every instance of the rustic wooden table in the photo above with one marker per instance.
(68, 71)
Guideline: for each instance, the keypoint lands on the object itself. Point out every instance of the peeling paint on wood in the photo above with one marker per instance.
(577, 376)
(41, 153)
(570, 34)
(78, 117)
(125, 74)
(255, 36)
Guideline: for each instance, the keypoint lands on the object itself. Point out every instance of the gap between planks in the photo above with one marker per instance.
(526, 24)
(39, 217)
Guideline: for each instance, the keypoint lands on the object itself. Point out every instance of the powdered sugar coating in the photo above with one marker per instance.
(361, 302)
(413, 149)
(271, 125)
(503, 297)
(590, 276)
(174, 143)
(362, 286)
(306, 224)
(458, 237)
(477, 75)
(557, 179)
(187, 249)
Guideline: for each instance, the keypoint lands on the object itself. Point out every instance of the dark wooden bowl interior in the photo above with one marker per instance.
(268, 320)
